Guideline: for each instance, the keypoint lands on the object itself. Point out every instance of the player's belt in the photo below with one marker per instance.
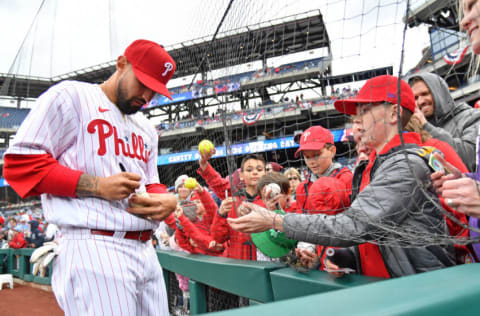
(141, 235)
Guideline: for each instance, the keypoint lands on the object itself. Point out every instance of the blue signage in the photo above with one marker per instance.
(241, 149)
(236, 149)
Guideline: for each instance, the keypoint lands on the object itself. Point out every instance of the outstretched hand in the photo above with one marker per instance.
(257, 221)
(205, 157)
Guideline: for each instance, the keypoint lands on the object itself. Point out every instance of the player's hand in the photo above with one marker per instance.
(117, 187)
(331, 267)
(155, 207)
(205, 157)
(226, 206)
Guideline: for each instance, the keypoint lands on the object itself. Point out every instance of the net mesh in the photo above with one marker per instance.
(360, 38)
(259, 74)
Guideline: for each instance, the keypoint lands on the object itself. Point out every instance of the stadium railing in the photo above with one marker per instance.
(451, 291)
(17, 263)
(443, 292)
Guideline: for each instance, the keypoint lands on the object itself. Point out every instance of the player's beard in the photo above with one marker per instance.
(123, 103)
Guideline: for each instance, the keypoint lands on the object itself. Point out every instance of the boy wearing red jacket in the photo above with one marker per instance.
(239, 245)
(327, 179)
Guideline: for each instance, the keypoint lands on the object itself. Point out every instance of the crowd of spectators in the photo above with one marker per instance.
(328, 192)
(284, 105)
(26, 229)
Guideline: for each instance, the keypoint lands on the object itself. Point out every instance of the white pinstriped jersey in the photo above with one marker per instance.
(77, 124)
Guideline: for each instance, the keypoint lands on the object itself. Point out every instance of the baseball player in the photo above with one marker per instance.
(87, 150)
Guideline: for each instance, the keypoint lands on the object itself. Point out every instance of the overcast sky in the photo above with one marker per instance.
(69, 34)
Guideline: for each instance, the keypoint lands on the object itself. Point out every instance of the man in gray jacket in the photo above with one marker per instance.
(396, 220)
(456, 124)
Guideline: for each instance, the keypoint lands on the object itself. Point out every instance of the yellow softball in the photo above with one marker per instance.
(205, 147)
(190, 183)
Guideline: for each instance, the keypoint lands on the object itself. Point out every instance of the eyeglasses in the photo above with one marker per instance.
(292, 178)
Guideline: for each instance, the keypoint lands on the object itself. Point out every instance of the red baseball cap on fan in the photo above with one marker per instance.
(379, 89)
(314, 138)
(152, 65)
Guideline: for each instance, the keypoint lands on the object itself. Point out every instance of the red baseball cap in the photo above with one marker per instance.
(314, 138)
(152, 65)
(379, 89)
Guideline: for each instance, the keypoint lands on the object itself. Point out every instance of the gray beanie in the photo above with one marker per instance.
(180, 180)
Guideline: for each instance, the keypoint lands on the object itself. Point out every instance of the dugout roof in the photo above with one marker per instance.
(274, 38)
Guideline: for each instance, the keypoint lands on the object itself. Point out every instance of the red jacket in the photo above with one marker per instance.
(328, 195)
(210, 207)
(238, 245)
(199, 231)
(200, 235)
(18, 241)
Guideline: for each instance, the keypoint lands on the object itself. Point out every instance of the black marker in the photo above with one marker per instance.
(122, 167)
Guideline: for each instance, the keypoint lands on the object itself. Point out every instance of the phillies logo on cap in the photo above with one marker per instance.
(305, 135)
(168, 67)
(151, 64)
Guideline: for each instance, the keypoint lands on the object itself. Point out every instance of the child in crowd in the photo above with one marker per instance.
(327, 178)
(294, 179)
(281, 200)
(239, 245)
(327, 188)
(191, 233)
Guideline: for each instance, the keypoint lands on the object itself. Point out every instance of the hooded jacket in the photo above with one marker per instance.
(36, 236)
(456, 124)
(391, 199)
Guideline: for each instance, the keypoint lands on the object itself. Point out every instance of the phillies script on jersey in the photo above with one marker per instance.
(105, 131)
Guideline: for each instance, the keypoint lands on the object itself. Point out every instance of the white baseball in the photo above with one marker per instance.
(272, 190)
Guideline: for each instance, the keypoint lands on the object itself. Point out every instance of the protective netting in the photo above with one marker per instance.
(253, 77)
(361, 37)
